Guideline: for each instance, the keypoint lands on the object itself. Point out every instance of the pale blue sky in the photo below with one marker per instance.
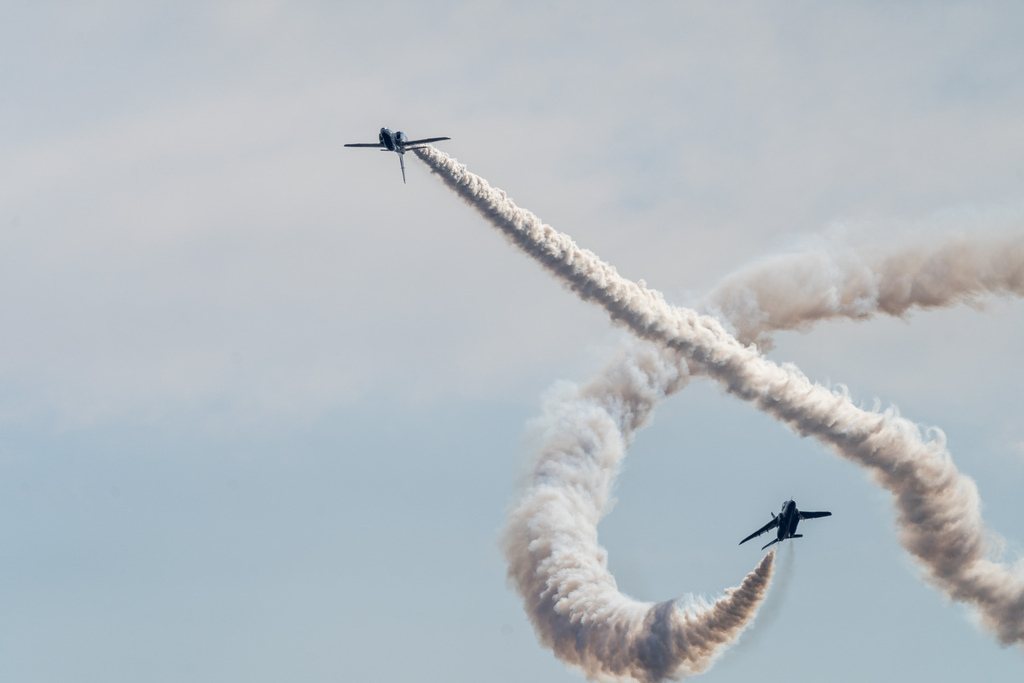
(263, 407)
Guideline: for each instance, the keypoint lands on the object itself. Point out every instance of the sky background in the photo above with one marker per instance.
(263, 408)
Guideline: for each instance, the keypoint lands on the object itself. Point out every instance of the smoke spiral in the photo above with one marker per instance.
(938, 513)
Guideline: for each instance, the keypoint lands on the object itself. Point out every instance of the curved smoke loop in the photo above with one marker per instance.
(938, 510)
(554, 558)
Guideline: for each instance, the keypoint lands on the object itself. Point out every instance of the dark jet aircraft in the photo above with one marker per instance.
(786, 521)
(396, 142)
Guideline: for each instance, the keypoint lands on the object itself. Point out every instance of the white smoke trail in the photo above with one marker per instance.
(771, 608)
(938, 511)
(793, 291)
(558, 567)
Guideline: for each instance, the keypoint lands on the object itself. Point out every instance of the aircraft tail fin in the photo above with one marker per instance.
(401, 160)
(772, 543)
(797, 536)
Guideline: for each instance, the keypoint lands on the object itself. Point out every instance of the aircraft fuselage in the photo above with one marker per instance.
(788, 521)
(393, 141)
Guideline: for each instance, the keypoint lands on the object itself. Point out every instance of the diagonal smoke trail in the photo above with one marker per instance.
(550, 540)
(938, 510)
(793, 291)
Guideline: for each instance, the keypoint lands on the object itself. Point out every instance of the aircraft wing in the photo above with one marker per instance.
(364, 144)
(812, 515)
(424, 141)
(770, 525)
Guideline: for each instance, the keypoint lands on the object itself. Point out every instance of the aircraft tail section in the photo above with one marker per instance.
(772, 543)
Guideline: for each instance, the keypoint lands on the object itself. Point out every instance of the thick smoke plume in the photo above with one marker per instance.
(937, 508)
(794, 291)
(558, 567)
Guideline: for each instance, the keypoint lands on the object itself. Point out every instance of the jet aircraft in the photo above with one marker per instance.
(786, 521)
(396, 142)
